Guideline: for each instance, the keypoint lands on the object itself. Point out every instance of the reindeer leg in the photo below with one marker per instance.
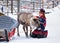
(25, 28)
(26, 31)
(18, 30)
(18, 25)
(30, 30)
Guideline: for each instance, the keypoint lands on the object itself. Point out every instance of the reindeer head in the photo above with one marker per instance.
(35, 22)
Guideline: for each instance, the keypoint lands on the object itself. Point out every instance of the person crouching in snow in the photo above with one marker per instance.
(42, 19)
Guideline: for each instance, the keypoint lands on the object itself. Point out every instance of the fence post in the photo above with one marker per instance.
(12, 6)
(7, 7)
(42, 4)
(53, 4)
(18, 6)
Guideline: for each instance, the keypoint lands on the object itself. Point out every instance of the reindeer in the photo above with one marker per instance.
(27, 19)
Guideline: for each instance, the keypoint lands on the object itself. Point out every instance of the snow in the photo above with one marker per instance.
(53, 27)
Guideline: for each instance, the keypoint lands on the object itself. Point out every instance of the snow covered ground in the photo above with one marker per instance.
(53, 27)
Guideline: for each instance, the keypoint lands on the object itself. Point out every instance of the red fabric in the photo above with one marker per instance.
(37, 32)
(10, 34)
(40, 32)
(45, 22)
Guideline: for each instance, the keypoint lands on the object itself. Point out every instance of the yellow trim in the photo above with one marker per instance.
(1, 14)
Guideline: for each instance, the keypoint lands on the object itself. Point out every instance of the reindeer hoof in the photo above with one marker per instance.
(30, 35)
(18, 34)
(26, 35)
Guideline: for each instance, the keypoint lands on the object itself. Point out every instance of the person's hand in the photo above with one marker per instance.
(35, 17)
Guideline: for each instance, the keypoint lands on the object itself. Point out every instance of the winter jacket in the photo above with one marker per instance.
(42, 20)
